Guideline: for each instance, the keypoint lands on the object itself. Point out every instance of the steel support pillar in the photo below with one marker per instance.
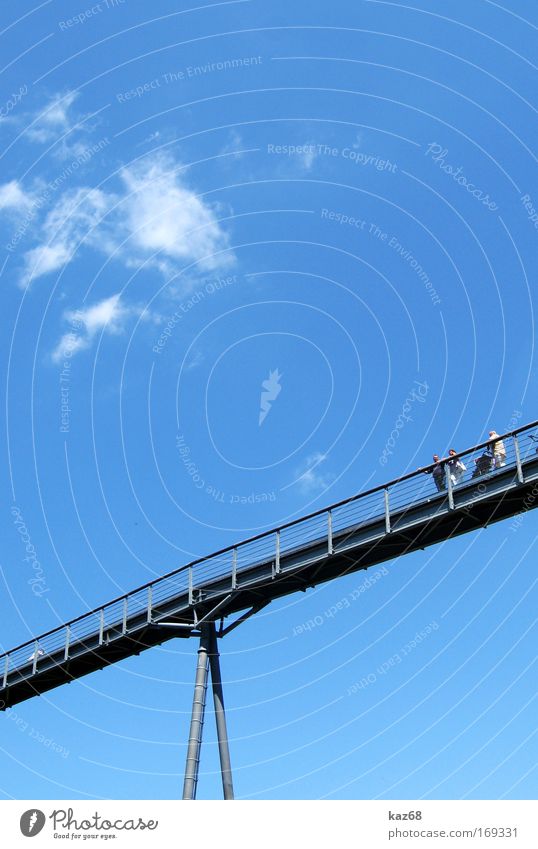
(208, 655)
(197, 717)
(220, 715)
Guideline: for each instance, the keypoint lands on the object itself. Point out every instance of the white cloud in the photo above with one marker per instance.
(68, 346)
(165, 217)
(57, 124)
(310, 479)
(233, 145)
(157, 220)
(14, 198)
(108, 312)
(60, 126)
(73, 220)
(109, 315)
(44, 259)
(54, 120)
(308, 156)
(152, 137)
(196, 359)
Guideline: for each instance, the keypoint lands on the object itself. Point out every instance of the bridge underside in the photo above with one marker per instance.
(355, 548)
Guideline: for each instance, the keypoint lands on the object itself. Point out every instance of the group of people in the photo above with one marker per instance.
(494, 457)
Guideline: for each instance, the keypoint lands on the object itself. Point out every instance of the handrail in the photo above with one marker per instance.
(266, 534)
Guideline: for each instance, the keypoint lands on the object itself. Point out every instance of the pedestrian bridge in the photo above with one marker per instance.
(381, 524)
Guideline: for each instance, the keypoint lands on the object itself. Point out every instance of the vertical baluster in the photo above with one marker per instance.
(67, 641)
(330, 548)
(150, 602)
(520, 477)
(387, 510)
(234, 569)
(450, 490)
(276, 567)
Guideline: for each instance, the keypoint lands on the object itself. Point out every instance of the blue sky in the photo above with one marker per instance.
(331, 204)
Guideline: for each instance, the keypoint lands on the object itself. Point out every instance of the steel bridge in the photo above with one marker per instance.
(385, 522)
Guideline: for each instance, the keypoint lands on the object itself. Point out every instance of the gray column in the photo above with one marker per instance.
(220, 715)
(197, 717)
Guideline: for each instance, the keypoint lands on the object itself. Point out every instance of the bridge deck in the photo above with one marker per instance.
(380, 525)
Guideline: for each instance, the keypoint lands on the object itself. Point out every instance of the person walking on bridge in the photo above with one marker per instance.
(498, 450)
(437, 471)
(456, 466)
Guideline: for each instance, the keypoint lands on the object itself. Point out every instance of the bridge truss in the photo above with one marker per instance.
(384, 523)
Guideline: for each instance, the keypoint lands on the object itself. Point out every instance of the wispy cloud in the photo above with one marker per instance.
(149, 139)
(109, 316)
(168, 221)
(13, 198)
(71, 223)
(154, 219)
(233, 145)
(58, 124)
(308, 157)
(196, 359)
(53, 119)
(310, 479)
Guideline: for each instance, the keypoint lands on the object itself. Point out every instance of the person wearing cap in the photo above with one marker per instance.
(498, 450)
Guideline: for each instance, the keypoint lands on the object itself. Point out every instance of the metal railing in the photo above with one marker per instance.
(383, 501)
